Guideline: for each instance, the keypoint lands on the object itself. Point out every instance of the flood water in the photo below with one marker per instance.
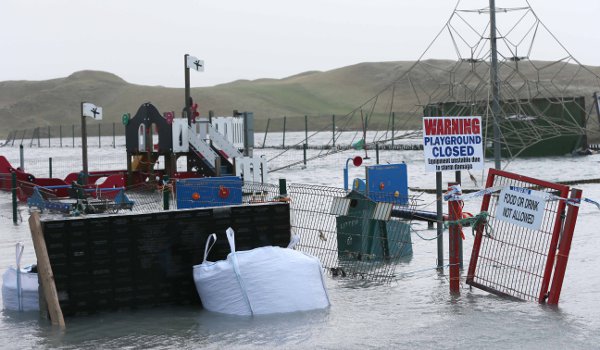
(416, 310)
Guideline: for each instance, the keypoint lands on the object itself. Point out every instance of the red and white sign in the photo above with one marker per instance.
(452, 143)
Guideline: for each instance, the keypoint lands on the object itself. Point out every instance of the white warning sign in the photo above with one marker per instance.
(521, 206)
(452, 143)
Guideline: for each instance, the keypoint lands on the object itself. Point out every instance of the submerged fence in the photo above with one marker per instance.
(517, 260)
(351, 234)
(315, 131)
(98, 135)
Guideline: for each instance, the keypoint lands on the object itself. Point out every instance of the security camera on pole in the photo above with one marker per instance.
(94, 112)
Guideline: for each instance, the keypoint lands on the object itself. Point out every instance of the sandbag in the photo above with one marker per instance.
(260, 281)
(29, 290)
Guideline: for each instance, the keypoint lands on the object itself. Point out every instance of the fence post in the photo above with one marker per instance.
(305, 133)
(377, 152)
(50, 167)
(38, 138)
(266, 132)
(282, 188)
(99, 135)
(49, 137)
(60, 134)
(564, 248)
(284, 120)
(166, 191)
(14, 196)
(333, 130)
(440, 220)
(73, 135)
(32, 137)
(393, 121)
(458, 180)
(114, 142)
(454, 214)
(21, 158)
(304, 147)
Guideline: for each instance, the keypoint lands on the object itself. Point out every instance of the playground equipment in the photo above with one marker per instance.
(387, 182)
(26, 182)
(214, 146)
(211, 146)
(365, 228)
(80, 199)
(209, 192)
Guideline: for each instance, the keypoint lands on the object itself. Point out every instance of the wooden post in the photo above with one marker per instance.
(73, 133)
(114, 142)
(60, 134)
(99, 136)
(49, 137)
(45, 271)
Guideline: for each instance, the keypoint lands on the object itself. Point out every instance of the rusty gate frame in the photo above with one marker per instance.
(558, 233)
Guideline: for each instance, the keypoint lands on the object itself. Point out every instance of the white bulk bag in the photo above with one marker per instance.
(20, 286)
(260, 281)
(28, 283)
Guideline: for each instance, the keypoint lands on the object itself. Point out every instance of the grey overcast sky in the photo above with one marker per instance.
(143, 41)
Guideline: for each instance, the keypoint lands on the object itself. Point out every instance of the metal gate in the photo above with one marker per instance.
(515, 261)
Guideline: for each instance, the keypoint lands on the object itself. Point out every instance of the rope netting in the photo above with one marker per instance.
(540, 99)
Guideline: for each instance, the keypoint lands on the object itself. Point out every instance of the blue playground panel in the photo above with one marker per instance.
(385, 183)
(208, 192)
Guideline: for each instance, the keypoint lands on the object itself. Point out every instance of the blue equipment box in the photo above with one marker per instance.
(388, 183)
(208, 192)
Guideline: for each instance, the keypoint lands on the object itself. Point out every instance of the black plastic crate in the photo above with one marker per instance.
(146, 260)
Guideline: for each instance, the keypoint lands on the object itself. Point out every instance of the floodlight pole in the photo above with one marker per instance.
(495, 85)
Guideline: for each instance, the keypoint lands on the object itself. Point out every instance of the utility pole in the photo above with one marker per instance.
(495, 85)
